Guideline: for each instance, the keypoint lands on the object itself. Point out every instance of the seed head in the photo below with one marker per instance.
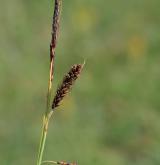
(56, 20)
(66, 85)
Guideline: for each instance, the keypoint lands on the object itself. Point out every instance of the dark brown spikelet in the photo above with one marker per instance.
(66, 85)
(56, 20)
(55, 31)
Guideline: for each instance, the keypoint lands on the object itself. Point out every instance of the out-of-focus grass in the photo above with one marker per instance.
(113, 114)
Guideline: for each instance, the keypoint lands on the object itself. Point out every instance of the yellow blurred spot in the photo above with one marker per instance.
(137, 47)
(84, 18)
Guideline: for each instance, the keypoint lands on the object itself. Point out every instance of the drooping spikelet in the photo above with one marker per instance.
(66, 85)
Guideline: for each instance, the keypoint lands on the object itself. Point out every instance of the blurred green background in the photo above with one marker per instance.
(112, 116)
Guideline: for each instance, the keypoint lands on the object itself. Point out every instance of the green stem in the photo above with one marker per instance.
(43, 140)
(46, 119)
(52, 162)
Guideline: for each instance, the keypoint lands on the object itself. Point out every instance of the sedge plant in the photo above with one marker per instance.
(62, 90)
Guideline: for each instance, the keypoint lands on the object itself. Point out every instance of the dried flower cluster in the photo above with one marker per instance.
(67, 83)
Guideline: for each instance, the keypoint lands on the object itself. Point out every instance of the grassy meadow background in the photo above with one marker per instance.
(112, 116)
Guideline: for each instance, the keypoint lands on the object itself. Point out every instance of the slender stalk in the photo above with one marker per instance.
(46, 119)
(48, 113)
(52, 162)
(42, 141)
(60, 163)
